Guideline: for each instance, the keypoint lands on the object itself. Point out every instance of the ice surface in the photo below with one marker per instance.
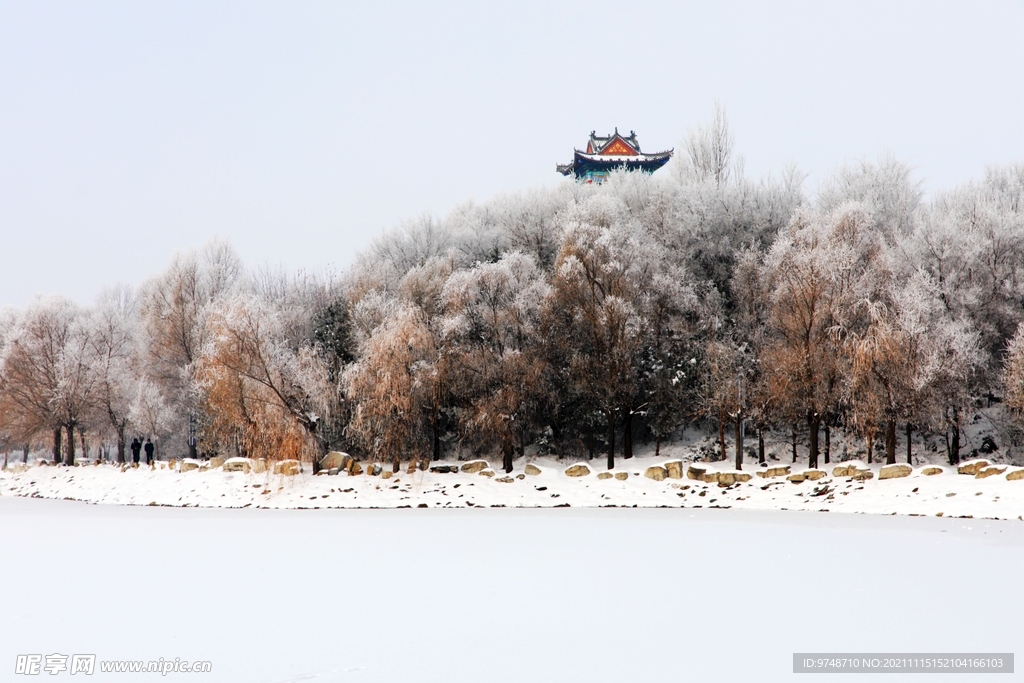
(594, 595)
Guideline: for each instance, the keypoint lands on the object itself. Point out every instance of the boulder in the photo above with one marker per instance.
(844, 471)
(355, 469)
(189, 464)
(973, 467)
(578, 470)
(656, 473)
(387, 474)
(172, 464)
(623, 476)
(1015, 475)
(863, 475)
(505, 480)
(474, 466)
(520, 476)
(374, 470)
(726, 478)
(774, 471)
(216, 462)
(532, 470)
(604, 475)
(288, 468)
(895, 471)
(796, 478)
(486, 473)
(712, 477)
(813, 475)
(696, 472)
(444, 469)
(931, 471)
(675, 469)
(335, 460)
(260, 466)
(237, 465)
(989, 471)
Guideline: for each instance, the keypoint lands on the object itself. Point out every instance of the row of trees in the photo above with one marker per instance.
(571, 320)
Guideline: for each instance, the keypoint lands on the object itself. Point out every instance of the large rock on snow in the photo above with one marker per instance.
(989, 472)
(604, 475)
(505, 480)
(288, 468)
(387, 474)
(374, 470)
(862, 475)
(335, 460)
(1016, 475)
(237, 465)
(216, 462)
(728, 478)
(844, 470)
(486, 473)
(656, 473)
(675, 469)
(189, 464)
(696, 472)
(895, 471)
(355, 469)
(796, 478)
(972, 467)
(578, 470)
(774, 471)
(474, 466)
(260, 466)
(532, 470)
(931, 471)
(623, 476)
(444, 469)
(813, 475)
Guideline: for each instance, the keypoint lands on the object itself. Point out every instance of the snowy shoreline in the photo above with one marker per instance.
(946, 494)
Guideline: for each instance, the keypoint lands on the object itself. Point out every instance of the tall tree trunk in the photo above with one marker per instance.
(627, 434)
(611, 439)
(508, 450)
(890, 442)
(24, 454)
(760, 446)
(657, 445)
(436, 435)
(58, 436)
(71, 445)
(828, 443)
(814, 423)
(956, 444)
(794, 442)
(120, 445)
(910, 430)
(739, 441)
(871, 446)
(721, 437)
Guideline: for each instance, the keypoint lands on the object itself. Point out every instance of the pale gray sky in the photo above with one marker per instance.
(298, 131)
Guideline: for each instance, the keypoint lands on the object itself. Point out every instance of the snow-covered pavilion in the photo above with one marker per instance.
(614, 151)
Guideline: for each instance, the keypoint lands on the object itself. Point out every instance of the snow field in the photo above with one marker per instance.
(946, 494)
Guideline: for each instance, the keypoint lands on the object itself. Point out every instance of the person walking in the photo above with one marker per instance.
(149, 452)
(136, 447)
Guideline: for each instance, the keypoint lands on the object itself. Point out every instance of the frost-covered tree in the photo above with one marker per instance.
(174, 307)
(491, 334)
(115, 342)
(49, 379)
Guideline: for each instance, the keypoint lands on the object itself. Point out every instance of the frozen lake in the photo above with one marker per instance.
(487, 595)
